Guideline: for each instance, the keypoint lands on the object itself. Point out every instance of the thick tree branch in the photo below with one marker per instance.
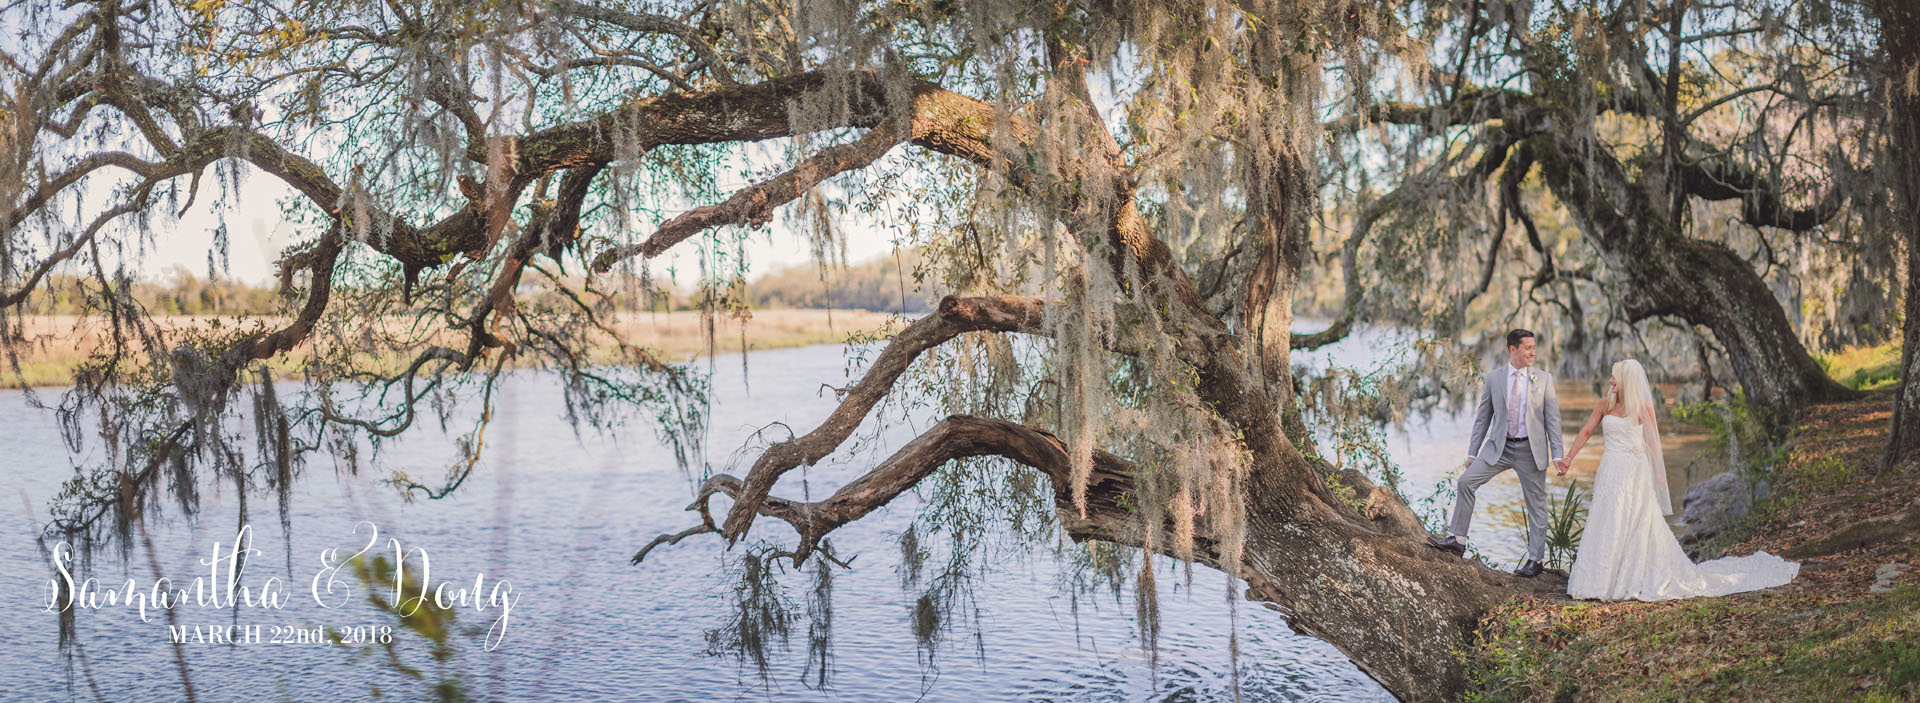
(957, 437)
(1407, 195)
(1761, 204)
(133, 204)
(1342, 324)
(955, 316)
(1471, 107)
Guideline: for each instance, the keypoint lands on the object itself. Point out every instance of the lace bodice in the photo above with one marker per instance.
(1622, 435)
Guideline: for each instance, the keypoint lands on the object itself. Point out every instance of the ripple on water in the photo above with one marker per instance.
(560, 517)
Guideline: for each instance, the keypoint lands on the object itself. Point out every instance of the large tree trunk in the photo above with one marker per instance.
(1401, 610)
(1366, 584)
(1900, 35)
(1706, 284)
(1670, 274)
(1904, 444)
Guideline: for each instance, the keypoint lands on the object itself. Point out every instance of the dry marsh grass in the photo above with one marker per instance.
(54, 345)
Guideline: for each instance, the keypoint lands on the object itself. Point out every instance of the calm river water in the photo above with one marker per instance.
(558, 515)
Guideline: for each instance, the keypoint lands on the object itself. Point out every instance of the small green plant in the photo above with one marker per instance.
(1566, 522)
(1512, 660)
(1345, 493)
(1823, 474)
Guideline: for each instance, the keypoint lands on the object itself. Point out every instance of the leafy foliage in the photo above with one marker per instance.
(1566, 521)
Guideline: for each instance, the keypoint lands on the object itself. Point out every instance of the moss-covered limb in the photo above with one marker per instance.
(648, 23)
(1364, 582)
(754, 205)
(1470, 107)
(938, 119)
(325, 256)
(198, 147)
(956, 437)
(1761, 202)
(1310, 559)
(1283, 199)
(38, 271)
(956, 316)
(743, 113)
(1671, 274)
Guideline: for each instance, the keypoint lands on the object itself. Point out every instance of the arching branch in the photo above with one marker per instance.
(955, 316)
(1498, 152)
(1761, 203)
(133, 204)
(957, 437)
(1342, 324)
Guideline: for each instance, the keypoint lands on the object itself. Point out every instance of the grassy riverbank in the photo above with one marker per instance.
(57, 344)
(1864, 368)
(1826, 636)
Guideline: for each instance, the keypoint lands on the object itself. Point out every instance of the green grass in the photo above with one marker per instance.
(1864, 368)
(1761, 647)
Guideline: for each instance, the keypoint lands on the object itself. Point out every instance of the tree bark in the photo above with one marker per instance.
(1402, 611)
(1900, 37)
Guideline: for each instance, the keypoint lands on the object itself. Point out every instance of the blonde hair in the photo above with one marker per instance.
(1635, 392)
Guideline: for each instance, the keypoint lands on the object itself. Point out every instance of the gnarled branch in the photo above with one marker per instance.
(955, 316)
(957, 437)
(1761, 204)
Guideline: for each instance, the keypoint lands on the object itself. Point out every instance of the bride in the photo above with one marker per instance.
(1627, 550)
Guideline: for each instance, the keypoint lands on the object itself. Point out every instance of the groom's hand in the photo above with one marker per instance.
(1561, 466)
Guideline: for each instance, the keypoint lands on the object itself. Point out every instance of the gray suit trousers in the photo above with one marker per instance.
(1533, 487)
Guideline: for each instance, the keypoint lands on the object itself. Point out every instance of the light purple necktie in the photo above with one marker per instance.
(1514, 407)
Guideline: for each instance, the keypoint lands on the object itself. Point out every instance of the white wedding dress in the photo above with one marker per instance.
(1627, 550)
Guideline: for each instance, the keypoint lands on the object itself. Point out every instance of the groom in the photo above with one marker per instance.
(1518, 405)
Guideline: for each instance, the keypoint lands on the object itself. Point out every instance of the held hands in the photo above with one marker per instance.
(1561, 465)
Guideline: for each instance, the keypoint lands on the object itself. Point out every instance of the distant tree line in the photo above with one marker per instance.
(883, 284)
(179, 293)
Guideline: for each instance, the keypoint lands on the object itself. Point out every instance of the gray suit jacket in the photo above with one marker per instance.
(1543, 418)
